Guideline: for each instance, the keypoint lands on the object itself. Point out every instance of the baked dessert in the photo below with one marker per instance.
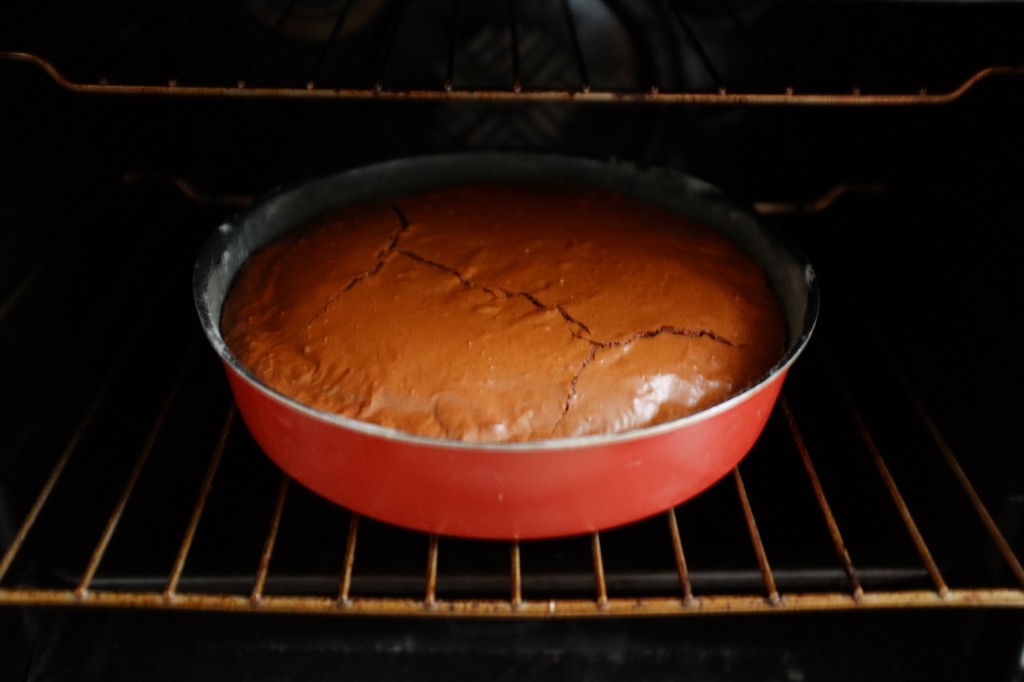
(505, 313)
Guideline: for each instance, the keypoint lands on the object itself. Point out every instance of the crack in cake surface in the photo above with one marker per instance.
(595, 346)
(382, 256)
(507, 293)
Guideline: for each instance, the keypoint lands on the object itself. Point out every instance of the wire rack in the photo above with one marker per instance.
(723, 53)
(148, 514)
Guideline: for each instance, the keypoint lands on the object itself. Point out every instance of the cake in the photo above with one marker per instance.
(505, 313)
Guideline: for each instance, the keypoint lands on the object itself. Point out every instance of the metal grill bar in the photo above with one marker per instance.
(86, 334)
(958, 472)
(95, 53)
(722, 97)
(691, 35)
(192, 58)
(823, 202)
(133, 478)
(431, 594)
(663, 581)
(26, 282)
(187, 189)
(572, 608)
(513, 26)
(197, 509)
(949, 456)
(127, 39)
(577, 49)
(268, 545)
(449, 73)
(51, 481)
(677, 550)
(517, 576)
(599, 581)
(332, 37)
(271, 34)
(72, 444)
(749, 36)
(890, 482)
(755, 538)
(350, 560)
(389, 46)
(826, 510)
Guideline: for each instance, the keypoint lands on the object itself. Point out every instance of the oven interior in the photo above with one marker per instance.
(872, 532)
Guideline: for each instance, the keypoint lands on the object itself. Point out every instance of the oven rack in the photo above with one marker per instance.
(845, 584)
(745, 56)
(582, 95)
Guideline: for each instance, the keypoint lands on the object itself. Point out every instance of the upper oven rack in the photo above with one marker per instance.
(348, 587)
(584, 94)
(763, 53)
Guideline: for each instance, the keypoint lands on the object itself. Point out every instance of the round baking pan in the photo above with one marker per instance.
(524, 490)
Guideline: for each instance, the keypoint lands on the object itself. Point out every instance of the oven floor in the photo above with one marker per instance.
(90, 645)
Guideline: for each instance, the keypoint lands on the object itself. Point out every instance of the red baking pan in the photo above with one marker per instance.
(533, 489)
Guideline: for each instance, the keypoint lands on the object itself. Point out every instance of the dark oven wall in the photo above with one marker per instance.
(884, 138)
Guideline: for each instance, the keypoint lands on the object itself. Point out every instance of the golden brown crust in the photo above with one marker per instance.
(505, 314)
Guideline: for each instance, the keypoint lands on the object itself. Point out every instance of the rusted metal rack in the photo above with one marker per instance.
(401, 50)
(214, 442)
